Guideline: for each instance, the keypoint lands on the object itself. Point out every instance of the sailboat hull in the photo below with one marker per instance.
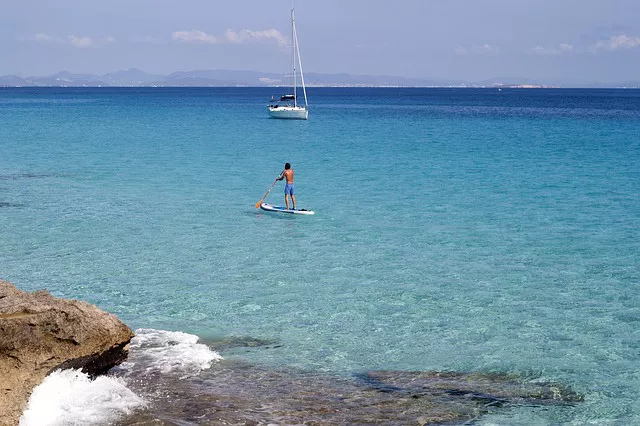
(292, 113)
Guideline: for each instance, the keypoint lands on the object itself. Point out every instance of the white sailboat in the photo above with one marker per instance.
(288, 106)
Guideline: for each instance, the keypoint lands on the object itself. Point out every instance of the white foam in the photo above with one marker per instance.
(69, 397)
(171, 351)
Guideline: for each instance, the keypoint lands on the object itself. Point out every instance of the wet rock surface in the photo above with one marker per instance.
(40, 333)
(233, 393)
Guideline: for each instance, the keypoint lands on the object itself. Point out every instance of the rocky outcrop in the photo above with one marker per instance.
(40, 333)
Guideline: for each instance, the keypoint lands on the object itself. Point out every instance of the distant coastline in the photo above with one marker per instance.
(229, 78)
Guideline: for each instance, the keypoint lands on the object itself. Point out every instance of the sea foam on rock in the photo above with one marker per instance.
(40, 333)
(71, 398)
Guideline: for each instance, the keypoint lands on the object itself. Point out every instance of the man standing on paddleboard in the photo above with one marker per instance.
(288, 188)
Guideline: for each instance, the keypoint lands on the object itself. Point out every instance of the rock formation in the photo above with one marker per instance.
(40, 333)
(237, 393)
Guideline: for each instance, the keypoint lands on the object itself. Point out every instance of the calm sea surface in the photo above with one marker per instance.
(455, 229)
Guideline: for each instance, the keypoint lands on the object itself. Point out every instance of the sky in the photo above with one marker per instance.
(469, 40)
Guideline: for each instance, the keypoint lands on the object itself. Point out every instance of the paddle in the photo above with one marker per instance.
(265, 195)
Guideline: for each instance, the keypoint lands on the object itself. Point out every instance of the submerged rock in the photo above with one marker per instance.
(239, 343)
(40, 333)
(489, 388)
(232, 392)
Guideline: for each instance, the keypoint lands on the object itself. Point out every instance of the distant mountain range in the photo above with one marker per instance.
(228, 78)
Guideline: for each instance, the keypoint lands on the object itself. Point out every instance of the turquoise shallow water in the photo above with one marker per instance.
(455, 229)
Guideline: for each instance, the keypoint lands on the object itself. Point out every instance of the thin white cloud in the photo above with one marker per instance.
(194, 37)
(45, 38)
(553, 50)
(42, 38)
(80, 42)
(544, 50)
(460, 50)
(621, 41)
(245, 36)
(485, 49)
(72, 40)
(230, 37)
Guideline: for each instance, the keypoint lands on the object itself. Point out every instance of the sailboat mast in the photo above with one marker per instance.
(293, 56)
(304, 89)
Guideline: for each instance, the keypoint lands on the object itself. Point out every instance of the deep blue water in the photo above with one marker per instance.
(455, 229)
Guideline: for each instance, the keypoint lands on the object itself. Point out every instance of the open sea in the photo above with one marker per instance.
(456, 230)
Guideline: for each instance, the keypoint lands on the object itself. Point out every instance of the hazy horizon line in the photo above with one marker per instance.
(251, 78)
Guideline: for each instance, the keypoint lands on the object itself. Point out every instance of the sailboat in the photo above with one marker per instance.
(288, 106)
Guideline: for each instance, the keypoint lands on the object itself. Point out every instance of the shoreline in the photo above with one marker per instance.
(115, 374)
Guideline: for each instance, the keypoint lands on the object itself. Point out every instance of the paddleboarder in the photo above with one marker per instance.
(289, 189)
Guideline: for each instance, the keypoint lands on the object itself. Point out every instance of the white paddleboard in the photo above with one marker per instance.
(282, 209)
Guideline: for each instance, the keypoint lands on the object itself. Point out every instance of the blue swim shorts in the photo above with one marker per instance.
(288, 189)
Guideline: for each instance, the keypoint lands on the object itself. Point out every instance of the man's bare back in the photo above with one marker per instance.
(289, 175)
